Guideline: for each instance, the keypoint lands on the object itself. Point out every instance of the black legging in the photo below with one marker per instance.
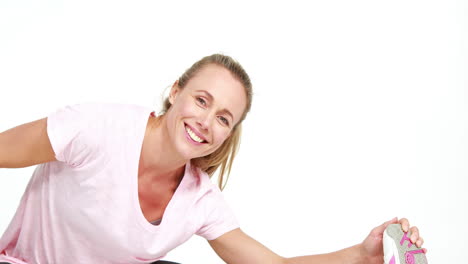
(156, 262)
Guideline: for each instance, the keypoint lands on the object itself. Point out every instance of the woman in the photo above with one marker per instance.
(116, 184)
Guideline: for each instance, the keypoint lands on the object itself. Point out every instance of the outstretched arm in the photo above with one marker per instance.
(236, 247)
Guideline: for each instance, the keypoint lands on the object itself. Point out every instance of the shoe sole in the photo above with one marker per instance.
(398, 249)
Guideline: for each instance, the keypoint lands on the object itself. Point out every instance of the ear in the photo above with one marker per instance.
(175, 89)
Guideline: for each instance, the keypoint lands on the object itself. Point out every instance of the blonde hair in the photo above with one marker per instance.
(224, 156)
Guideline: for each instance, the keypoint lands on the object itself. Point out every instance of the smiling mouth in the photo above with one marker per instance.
(193, 136)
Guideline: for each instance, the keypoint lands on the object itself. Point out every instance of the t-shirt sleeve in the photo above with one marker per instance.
(219, 218)
(70, 131)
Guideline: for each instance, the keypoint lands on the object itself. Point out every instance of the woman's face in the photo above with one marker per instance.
(205, 111)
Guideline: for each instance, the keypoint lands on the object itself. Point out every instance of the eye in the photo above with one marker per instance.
(201, 101)
(224, 120)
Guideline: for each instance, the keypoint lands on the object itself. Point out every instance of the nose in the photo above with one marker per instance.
(205, 120)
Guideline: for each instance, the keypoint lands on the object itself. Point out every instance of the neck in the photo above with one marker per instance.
(159, 158)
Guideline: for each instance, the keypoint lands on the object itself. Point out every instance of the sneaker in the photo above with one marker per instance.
(398, 248)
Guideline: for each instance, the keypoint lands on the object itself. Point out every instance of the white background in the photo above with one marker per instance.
(359, 113)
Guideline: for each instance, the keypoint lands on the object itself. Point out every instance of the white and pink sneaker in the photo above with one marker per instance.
(398, 248)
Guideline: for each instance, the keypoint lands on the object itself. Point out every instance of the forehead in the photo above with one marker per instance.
(227, 91)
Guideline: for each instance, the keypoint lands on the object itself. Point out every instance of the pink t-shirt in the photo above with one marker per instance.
(84, 208)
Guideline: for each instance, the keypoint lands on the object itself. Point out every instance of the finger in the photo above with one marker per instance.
(404, 224)
(425, 250)
(419, 242)
(394, 220)
(381, 228)
(414, 234)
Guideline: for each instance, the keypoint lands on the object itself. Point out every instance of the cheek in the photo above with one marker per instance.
(181, 109)
(221, 135)
(187, 108)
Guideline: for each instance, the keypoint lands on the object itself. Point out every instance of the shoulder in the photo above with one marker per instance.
(93, 119)
(79, 133)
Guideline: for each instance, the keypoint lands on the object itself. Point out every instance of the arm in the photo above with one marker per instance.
(26, 145)
(236, 247)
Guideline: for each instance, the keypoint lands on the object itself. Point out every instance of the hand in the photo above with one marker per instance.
(372, 247)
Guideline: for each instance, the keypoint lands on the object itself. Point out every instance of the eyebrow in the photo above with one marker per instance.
(212, 99)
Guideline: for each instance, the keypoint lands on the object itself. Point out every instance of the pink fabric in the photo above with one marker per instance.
(84, 207)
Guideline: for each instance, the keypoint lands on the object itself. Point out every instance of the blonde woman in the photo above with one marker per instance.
(118, 184)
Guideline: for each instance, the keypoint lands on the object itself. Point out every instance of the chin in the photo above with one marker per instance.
(188, 152)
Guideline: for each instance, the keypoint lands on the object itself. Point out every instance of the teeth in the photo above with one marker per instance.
(192, 135)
